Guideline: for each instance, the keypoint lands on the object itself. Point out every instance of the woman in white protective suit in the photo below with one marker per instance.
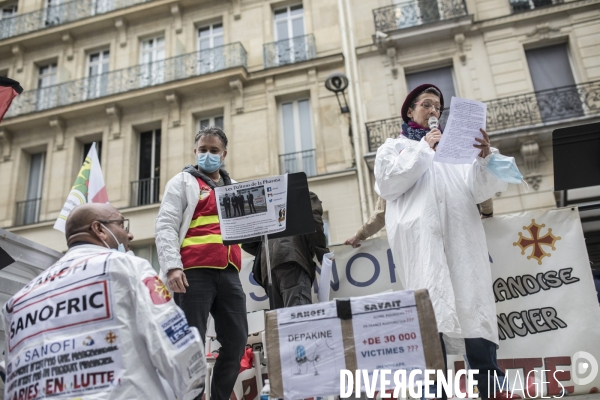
(435, 231)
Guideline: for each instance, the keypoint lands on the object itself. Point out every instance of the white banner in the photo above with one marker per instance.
(548, 312)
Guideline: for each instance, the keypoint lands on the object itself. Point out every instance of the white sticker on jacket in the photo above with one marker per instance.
(83, 364)
(176, 328)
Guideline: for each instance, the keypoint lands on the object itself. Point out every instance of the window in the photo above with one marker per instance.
(28, 211)
(210, 51)
(553, 82)
(442, 78)
(88, 146)
(148, 253)
(102, 6)
(8, 11)
(418, 12)
(298, 146)
(54, 12)
(209, 121)
(152, 70)
(289, 34)
(96, 72)
(145, 189)
(46, 87)
(7, 24)
(525, 5)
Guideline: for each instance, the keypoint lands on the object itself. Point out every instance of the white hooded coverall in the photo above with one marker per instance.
(99, 325)
(436, 235)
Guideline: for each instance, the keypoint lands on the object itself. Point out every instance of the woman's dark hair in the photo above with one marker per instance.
(212, 131)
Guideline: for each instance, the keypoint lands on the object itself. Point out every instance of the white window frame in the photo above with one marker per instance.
(152, 72)
(287, 50)
(102, 6)
(52, 15)
(97, 84)
(298, 133)
(32, 215)
(209, 61)
(14, 11)
(46, 90)
(289, 18)
(211, 121)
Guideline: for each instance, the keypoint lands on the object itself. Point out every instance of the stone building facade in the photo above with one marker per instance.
(140, 77)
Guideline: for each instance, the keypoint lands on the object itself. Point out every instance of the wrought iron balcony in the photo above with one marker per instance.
(544, 106)
(289, 51)
(526, 5)
(60, 14)
(528, 109)
(417, 12)
(28, 212)
(124, 80)
(300, 161)
(144, 191)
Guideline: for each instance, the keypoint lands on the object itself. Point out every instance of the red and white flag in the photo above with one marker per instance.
(89, 187)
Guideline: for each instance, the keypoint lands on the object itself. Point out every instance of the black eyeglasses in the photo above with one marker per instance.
(122, 222)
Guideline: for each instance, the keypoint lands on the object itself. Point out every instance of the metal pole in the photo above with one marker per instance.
(269, 280)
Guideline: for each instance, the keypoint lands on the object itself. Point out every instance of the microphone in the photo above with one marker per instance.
(433, 124)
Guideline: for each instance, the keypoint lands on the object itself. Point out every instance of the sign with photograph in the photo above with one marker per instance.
(253, 208)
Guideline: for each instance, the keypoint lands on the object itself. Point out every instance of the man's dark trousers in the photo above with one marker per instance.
(251, 206)
(291, 286)
(220, 292)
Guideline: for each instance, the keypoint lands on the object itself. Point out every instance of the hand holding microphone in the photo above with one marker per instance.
(434, 136)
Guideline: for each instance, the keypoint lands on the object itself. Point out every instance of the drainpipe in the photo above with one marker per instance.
(349, 59)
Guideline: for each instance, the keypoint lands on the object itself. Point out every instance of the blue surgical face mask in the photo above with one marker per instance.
(505, 169)
(209, 162)
(120, 246)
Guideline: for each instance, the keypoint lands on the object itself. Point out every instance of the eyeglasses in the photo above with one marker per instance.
(428, 104)
(123, 222)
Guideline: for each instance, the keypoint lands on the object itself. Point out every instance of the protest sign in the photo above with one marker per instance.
(309, 345)
(548, 313)
(261, 208)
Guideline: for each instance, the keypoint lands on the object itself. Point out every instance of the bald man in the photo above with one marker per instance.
(99, 324)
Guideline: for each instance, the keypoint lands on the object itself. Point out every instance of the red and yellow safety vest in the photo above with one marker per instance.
(203, 244)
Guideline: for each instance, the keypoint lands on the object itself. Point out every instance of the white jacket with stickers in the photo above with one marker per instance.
(99, 325)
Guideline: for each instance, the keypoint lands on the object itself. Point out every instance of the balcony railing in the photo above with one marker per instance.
(300, 161)
(60, 14)
(417, 12)
(28, 212)
(289, 51)
(124, 80)
(544, 106)
(526, 5)
(144, 191)
(515, 111)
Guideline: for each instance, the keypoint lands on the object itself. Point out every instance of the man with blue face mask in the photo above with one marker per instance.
(204, 273)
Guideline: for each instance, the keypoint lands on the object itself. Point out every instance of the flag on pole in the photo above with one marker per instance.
(89, 187)
(9, 89)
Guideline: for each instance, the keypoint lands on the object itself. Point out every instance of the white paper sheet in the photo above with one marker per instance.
(324, 283)
(387, 333)
(312, 354)
(456, 146)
